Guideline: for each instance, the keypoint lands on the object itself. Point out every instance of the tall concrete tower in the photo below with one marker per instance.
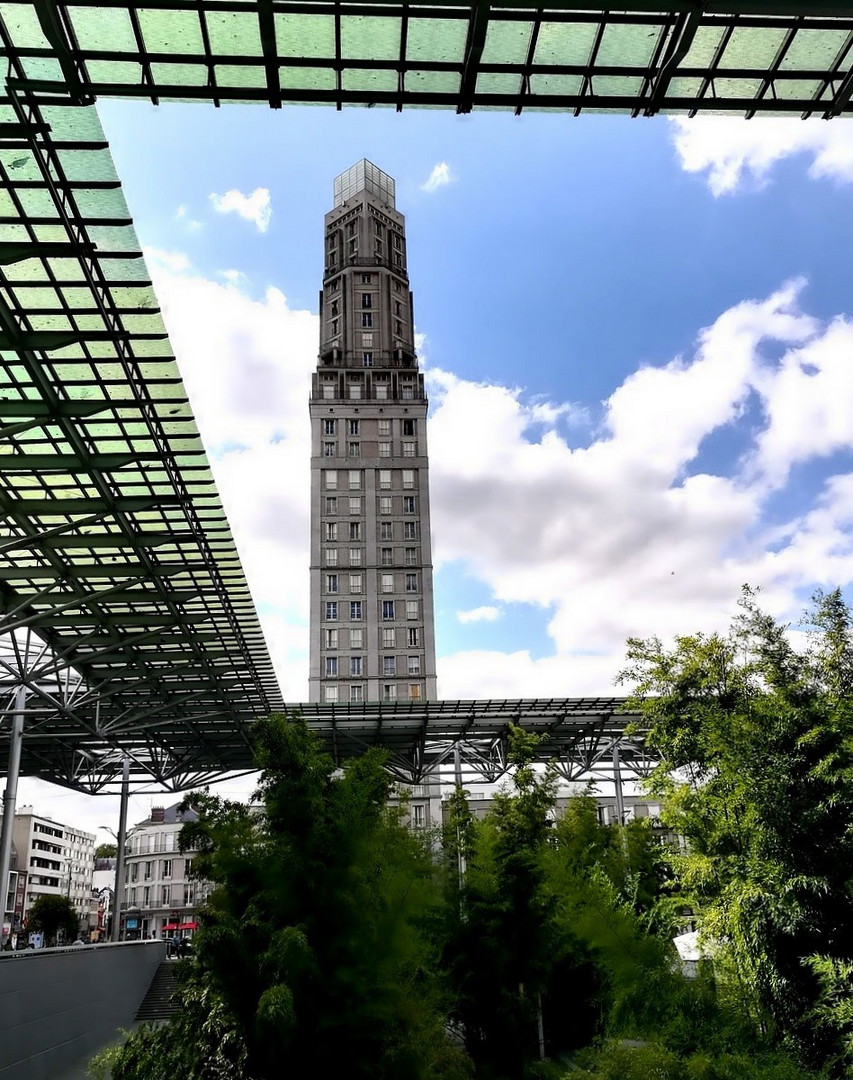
(372, 627)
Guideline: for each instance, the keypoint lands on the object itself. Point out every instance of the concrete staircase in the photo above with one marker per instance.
(157, 1003)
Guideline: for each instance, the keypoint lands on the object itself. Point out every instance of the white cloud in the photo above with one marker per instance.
(440, 177)
(479, 614)
(255, 207)
(732, 151)
(628, 535)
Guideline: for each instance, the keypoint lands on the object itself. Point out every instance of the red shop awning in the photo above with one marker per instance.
(188, 926)
(170, 926)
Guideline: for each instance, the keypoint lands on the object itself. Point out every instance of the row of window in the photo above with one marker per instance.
(353, 505)
(150, 896)
(353, 427)
(149, 868)
(356, 610)
(332, 636)
(385, 506)
(329, 388)
(356, 693)
(356, 666)
(387, 556)
(383, 449)
(386, 583)
(355, 533)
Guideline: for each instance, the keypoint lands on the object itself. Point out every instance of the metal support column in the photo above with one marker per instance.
(617, 785)
(10, 795)
(121, 839)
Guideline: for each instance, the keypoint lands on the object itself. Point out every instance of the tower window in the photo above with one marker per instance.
(331, 610)
(408, 427)
(411, 556)
(385, 504)
(367, 300)
(329, 427)
(331, 479)
(331, 694)
(355, 530)
(389, 692)
(331, 583)
(356, 693)
(384, 479)
(353, 427)
(355, 556)
(331, 667)
(408, 504)
(387, 609)
(414, 665)
(389, 637)
(409, 449)
(366, 279)
(386, 530)
(384, 427)
(330, 449)
(355, 610)
(355, 583)
(411, 582)
(367, 318)
(408, 478)
(389, 665)
(367, 359)
(386, 557)
(387, 583)
(355, 666)
(385, 449)
(331, 504)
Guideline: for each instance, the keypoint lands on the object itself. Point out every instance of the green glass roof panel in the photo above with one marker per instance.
(564, 43)
(752, 47)
(308, 78)
(366, 37)
(507, 42)
(103, 27)
(814, 50)
(305, 35)
(436, 40)
(622, 45)
(234, 33)
(171, 31)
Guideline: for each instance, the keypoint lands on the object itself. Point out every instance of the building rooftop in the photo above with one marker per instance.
(365, 176)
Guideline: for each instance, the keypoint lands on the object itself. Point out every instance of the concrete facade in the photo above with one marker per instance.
(372, 624)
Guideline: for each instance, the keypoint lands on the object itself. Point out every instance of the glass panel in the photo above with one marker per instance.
(627, 46)
(701, 52)
(179, 74)
(307, 78)
(498, 84)
(507, 42)
(616, 86)
(433, 82)
(436, 39)
(361, 79)
(814, 50)
(561, 43)
(230, 75)
(752, 47)
(23, 25)
(305, 35)
(122, 72)
(370, 38)
(737, 88)
(797, 89)
(103, 28)
(555, 84)
(171, 31)
(233, 33)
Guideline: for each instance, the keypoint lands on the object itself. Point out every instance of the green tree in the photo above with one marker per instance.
(106, 851)
(756, 770)
(313, 945)
(51, 914)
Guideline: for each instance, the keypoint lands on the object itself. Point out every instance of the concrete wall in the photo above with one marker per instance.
(59, 1006)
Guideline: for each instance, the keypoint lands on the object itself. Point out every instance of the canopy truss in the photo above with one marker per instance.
(743, 56)
(120, 584)
(422, 737)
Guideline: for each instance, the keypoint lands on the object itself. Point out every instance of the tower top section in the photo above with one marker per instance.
(365, 176)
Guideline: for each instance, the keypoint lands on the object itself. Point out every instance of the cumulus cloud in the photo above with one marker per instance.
(733, 153)
(440, 177)
(631, 532)
(182, 214)
(479, 614)
(255, 207)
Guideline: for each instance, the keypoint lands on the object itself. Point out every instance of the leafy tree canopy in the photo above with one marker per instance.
(756, 773)
(50, 914)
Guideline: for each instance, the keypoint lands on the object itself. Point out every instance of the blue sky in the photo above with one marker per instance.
(634, 312)
(638, 339)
